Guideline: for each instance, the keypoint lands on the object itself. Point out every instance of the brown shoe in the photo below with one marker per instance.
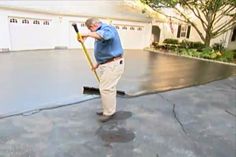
(104, 118)
(99, 113)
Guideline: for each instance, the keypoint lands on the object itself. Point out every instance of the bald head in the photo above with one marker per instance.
(93, 24)
(92, 21)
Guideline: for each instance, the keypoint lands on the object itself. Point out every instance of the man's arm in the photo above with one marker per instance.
(94, 35)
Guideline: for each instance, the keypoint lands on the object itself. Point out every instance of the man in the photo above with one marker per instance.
(108, 53)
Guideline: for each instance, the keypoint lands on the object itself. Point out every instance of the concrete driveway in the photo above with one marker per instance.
(197, 121)
(192, 122)
(34, 80)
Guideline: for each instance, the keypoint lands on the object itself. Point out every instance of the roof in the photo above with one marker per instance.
(103, 9)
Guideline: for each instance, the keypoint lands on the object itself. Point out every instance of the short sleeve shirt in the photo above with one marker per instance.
(109, 46)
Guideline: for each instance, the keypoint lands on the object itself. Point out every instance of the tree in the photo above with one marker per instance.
(208, 12)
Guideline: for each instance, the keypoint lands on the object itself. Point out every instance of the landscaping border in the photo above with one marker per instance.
(173, 54)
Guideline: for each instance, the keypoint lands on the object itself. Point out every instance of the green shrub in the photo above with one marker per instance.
(218, 47)
(208, 53)
(227, 56)
(192, 45)
(172, 47)
(185, 44)
(155, 44)
(234, 52)
(171, 41)
(198, 45)
(189, 52)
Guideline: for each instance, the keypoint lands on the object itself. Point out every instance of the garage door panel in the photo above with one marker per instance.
(131, 39)
(31, 36)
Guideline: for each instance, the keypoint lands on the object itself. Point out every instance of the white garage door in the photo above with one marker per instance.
(31, 34)
(132, 37)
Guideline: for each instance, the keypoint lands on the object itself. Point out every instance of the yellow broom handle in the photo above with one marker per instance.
(88, 57)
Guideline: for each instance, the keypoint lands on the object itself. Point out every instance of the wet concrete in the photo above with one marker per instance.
(113, 132)
(34, 80)
(159, 72)
(192, 122)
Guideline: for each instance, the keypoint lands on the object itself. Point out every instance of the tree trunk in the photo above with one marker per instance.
(207, 40)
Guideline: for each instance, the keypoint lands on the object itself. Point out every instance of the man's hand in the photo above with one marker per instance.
(95, 67)
(81, 37)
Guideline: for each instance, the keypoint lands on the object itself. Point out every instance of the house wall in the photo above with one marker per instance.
(231, 42)
(224, 39)
(170, 31)
(232, 45)
(60, 33)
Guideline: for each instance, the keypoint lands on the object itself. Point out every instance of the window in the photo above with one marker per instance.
(82, 25)
(124, 27)
(45, 23)
(132, 28)
(234, 35)
(140, 28)
(25, 21)
(117, 27)
(13, 20)
(36, 22)
(183, 31)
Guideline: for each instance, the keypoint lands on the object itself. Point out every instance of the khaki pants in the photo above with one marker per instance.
(110, 74)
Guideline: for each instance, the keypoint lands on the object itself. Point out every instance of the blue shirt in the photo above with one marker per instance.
(109, 46)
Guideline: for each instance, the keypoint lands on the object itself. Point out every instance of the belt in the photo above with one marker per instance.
(112, 59)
